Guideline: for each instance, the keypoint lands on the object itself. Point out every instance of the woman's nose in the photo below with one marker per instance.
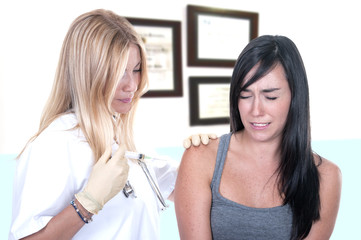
(257, 107)
(130, 82)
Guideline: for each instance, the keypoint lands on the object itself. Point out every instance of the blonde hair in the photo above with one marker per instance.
(92, 61)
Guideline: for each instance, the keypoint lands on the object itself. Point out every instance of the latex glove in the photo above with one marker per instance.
(107, 178)
(195, 140)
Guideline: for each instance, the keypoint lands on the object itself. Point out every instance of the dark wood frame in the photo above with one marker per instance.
(192, 30)
(194, 103)
(177, 55)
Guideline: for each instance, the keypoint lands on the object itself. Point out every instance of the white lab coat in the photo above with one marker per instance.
(57, 165)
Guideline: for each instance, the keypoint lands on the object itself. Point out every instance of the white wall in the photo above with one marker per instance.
(326, 32)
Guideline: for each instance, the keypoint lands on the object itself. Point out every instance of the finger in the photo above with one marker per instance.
(187, 143)
(204, 138)
(212, 136)
(119, 153)
(196, 140)
(106, 156)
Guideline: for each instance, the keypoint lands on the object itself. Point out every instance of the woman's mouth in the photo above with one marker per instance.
(260, 126)
(126, 100)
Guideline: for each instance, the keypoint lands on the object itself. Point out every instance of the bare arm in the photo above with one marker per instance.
(330, 194)
(193, 193)
(195, 140)
(62, 226)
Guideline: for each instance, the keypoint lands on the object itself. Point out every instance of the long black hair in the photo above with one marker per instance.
(299, 179)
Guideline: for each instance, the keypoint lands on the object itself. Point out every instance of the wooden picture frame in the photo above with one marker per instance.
(162, 40)
(209, 100)
(217, 36)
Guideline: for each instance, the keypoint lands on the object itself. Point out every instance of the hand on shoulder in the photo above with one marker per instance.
(197, 139)
(202, 150)
(199, 161)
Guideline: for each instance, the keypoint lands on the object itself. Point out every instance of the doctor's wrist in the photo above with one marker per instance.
(84, 215)
(83, 211)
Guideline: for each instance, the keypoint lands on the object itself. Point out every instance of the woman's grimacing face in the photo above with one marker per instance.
(128, 85)
(264, 105)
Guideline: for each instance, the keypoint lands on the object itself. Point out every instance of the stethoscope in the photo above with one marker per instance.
(128, 190)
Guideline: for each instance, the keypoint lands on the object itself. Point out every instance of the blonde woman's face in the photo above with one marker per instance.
(128, 85)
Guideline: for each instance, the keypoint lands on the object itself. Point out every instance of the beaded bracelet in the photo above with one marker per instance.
(84, 219)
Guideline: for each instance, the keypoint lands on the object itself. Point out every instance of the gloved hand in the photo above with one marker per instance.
(107, 178)
(195, 140)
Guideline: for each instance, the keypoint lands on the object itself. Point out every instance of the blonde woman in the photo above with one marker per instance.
(71, 174)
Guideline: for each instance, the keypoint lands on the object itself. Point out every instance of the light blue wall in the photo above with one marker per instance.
(7, 167)
(345, 153)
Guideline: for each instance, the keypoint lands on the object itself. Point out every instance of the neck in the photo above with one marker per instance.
(261, 152)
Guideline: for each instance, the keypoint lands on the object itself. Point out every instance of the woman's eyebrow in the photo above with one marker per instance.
(268, 90)
(137, 64)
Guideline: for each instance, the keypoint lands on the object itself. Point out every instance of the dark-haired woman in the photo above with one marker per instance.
(262, 180)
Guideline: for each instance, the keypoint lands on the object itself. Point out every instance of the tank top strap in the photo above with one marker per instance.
(221, 156)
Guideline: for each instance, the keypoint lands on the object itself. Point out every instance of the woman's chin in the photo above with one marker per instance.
(122, 108)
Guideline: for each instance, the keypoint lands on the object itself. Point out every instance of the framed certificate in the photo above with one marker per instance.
(217, 36)
(209, 100)
(162, 41)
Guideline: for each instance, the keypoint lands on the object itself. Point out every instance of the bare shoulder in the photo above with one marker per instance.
(200, 159)
(202, 150)
(327, 169)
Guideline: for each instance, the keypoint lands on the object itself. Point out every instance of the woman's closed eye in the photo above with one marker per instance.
(271, 93)
(271, 98)
(244, 97)
(244, 94)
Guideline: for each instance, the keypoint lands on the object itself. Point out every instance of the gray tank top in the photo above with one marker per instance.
(230, 220)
